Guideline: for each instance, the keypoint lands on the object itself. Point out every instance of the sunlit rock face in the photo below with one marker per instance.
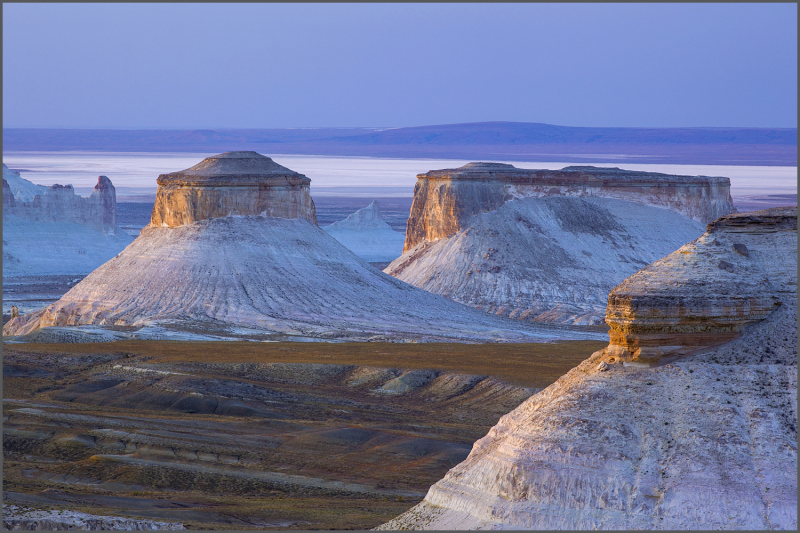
(700, 440)
(446, 200)
(543, 245)
(209, 265)
(233, 183)
(736, 273)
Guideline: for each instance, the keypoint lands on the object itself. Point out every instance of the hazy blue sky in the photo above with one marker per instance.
(307, 65)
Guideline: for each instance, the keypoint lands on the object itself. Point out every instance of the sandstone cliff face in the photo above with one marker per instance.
(703, 441)
(705, 292)
(233, 183)
(446, 200)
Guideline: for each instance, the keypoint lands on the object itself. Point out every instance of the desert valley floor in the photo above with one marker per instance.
(243, 435)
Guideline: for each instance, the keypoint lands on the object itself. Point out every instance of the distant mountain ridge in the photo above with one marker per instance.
(512, 141)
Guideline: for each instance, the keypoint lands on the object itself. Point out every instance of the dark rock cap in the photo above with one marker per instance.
(775, 218)
(103, 183)
(574, 174)
(233, 169)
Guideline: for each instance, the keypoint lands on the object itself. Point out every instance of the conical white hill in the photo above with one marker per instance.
(276, 274)
(367, 235)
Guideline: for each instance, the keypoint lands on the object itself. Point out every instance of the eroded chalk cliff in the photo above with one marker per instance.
(446, 200)
(704, 293)
(547, 246)
(700, 438)
(53, 231)
(59, 203)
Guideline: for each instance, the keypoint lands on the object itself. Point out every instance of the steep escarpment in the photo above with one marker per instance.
(705, 292)
(550, 259)
(208, 270)
(706, 440)
(446, 200)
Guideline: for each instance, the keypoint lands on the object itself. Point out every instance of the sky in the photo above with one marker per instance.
(188, 66)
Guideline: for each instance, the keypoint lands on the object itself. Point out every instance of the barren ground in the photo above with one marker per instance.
(236, 435)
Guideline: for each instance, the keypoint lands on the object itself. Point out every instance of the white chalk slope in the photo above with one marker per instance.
(367, 235)
(23, 190)
(279, 275)
(33, 248)
(551, 259)
(708, 442)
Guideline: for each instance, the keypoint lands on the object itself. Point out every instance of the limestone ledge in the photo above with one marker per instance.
(233, 183)
(178, 205)
(445, 200)
(703, 294)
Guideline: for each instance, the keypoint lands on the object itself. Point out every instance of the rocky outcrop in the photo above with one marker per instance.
(280, 275)
(53, 231)
(8, 196)
(59, 203)
(706, 440)
(704, 293)
(446, 200)
(551, 259)
(233, 183)
(22, 519)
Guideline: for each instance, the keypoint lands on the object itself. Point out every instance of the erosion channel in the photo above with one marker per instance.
(238, 435)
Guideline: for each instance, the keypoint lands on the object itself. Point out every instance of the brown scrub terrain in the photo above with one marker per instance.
(238, 435)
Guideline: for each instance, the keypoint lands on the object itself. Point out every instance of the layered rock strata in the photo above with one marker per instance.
(446, 200)
(233, 183)
(551, 259)
(259, 266)
(736, 273)
(703, 441)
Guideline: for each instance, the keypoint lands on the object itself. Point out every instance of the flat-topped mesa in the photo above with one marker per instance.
(444, 200)
(233, 183)
(739, 271)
